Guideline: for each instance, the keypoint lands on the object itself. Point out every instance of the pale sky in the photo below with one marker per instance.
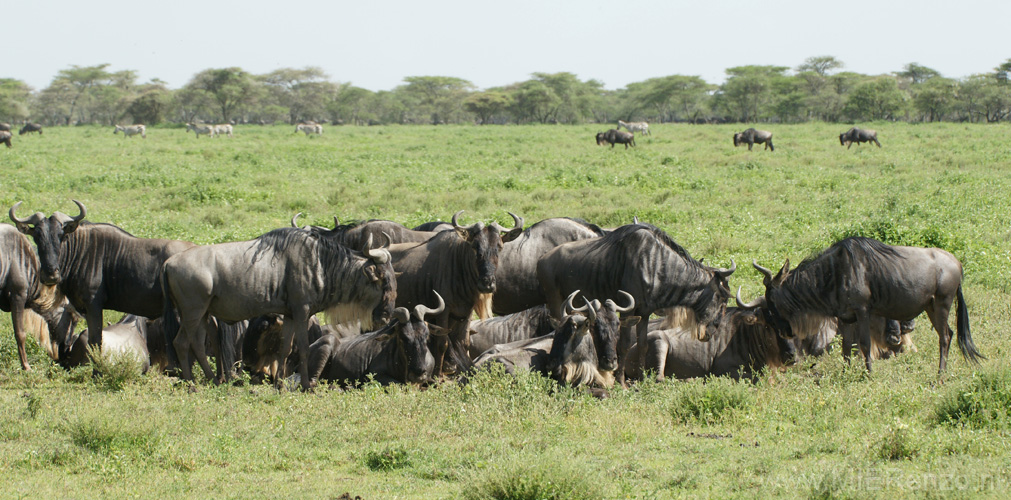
(375, 44)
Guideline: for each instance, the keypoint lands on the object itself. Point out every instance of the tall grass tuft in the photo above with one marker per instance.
(984, 402)
(709, 402)
(532, 478)
(117, 369)
(105, 436)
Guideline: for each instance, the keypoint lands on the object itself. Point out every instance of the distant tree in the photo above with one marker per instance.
(305, 92)
(670, 97)
(1002, 71)
(575, 100)
(439, 97)
(984, 97)
(917, 74)
(230, 88)
(352, 106)
(820, 65)
(934, 98)
(15, 96)
(74, 85)
(486, 104)
(150, 103)
(748, 92)
(532, 100)
(878, 99)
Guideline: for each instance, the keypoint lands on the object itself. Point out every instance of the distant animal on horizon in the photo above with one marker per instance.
(614, 136)
(752, 136)
(223, 129)
(5, 137)
(30, 127)
(633, 127)
(858, 135)
(199, 128)
(131, 130)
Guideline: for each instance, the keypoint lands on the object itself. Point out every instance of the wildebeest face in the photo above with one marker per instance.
(412, 347)
(567, 338)
(601, 139)
(737, 139)
(842, 139)
(486, 243)
(48, 234)
(384, 278)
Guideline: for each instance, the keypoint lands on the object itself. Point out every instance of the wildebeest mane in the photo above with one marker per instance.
(623, 231)
(278, 241)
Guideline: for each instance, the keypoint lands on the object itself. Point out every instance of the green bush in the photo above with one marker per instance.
(982, 403)
(117, 369)
(710, 402)
(535, 479)
(388, 458)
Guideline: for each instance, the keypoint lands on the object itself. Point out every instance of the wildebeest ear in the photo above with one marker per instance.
(398, 274)
(437, 330)
(370, 273)
(70, 227)
(463, 232)
(783, 273)
(511, 234)
(25, 229)
(630, 321)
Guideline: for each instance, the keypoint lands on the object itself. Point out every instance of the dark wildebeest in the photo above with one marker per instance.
(644, 261)
(486, 333)
(460, 265)
(30, 127)
(261, 346)
(752, 136)
(858, 135)
(888, 337)
(614, 136)
(740, 347)
(396, 353)
(5, 137)
(287, 271)
(5, 127)
(356, 233)
(434, 226)
(99, 266)
(516, 276)
(859, 278)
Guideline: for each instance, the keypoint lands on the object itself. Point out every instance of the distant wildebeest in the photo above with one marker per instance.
(644, 261)
(5, 137)
(614, 136)
(287, 271)
(752, 136)
(29, 128)
(433, 226)
(858, 135)
(223, 129)
(633, 127)
(131, 130)
(5, 127)
(857, 279)
(396, 353)
(200, 128)
(309, 128)
(99, 266)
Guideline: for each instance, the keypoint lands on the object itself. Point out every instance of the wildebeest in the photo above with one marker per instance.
(858, 135)
(433, 226)
(260, 346)
(131, 130)
(99, 266)
(859, 278)
(287, 271)
(200, 128)
(460, 265)
(752, 136)
(644, 261)
(633, 127)
(129, 335)
(888, 337)
(29, 128)
(355, 233)
(486, 333)
(5, 127)
(396, 353)
(615, 136)
(5, 137)
(309, 128)
(516, 276)
(223, 129)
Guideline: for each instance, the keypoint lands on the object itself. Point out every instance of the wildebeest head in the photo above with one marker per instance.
(486, 241)
(765, 345)
(601, 138)
(380, 273)
(738, 139)
(713, 306)
(605, 327)
(412, 341)
(48, 234)
(770, 313)
(842, 139)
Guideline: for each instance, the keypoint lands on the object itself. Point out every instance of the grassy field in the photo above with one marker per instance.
(819, 429)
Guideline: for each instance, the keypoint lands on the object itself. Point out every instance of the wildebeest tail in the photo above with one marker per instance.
(170, 322)
(965, 343)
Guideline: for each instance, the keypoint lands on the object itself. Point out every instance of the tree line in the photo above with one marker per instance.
(818, 89)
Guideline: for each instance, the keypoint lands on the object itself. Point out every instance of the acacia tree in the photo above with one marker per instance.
(486, 104)
(878, 99)
(230, 88)
(748, 92)
(439, 97)
(305, 92)
(934, 98)
(15, 95)
(671, 96)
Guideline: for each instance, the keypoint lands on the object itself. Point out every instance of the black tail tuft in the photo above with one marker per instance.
(965, 343)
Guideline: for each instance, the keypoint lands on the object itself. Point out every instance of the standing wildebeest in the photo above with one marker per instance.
(200, 128)
(99, 266)
(752, 136)
(287, 271)
(5, 137)
(5, 127)
(309, 128)
(859, 278)
(396, 353)
(30, 127)
(516, 276)
(131, 130)
(459, 264)
(614, 136)
(633, 127)
(858, 135)
(644, 261)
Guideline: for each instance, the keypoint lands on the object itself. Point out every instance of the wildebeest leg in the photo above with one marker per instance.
(876, 141)
(864, 334)
(849, 144)
(658, 348)
(642, 328)
(297, 329)
(319, 357)
(626, 339)
(182, 345)
(198, 344)
(18, 318)
(94, 319)
(750, 143)
(937, 311)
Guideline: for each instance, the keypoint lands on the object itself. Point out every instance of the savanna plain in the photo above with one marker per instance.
(822, 428)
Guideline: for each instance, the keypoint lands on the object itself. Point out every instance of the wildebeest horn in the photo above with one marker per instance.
(295, 218)
(728, 271)
(34, 219)
(629, 307)
(591, 311)
(336, 222)
(635, 220)
(760, 301)
(381, 255)
(763, 270)
(455, 224)
(400, 314)
(83, 210)
(569, 308)
(517, 220)
(421, 310)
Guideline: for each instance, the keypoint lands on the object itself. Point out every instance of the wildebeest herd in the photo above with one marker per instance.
(574, 301)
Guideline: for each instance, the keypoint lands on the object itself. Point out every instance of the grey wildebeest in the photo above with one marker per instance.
(858, 135)
(486, 333)
(127, 336)
(516, 276)
(615, 136)
(287, 271)
(5, 137)
(309, 128)
(29, 128)
(5, 127)
(131, 130)
(859, 278)
(99, 266)
(633, 127)
(200, 128)
(752, 136)
(356, 233)
(644, 261)
(460, 265)
(396, 353)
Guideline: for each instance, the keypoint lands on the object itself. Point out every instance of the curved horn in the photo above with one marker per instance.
(388, 242)
(763, 270)
(400, 314)
(295, 218)
(517, 220)
(455, 224)
(727, 271)
(421, 310)
(83, 210)
(380, 255)
(629, 307)
(760, 301)
(15, 217)
(591, 311)
(569, 308)
(336, 222)
(635, 220)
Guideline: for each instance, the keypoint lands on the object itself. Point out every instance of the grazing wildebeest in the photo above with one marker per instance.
(752, 136)
(486, 333)
(644, 261)
(131, 130)
(309, 128)
(200, 128)
(99, 266)
(459, 264)
(29, 128)
(223, 129)
(614, 136)
(5, 137)
(516, 276)
(858, 135)
(633, 127)
(859, 278)
(287, 271)
(5, 127)
(396, 353)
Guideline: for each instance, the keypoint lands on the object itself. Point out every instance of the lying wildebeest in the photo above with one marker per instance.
(131, 130)
(223, 129)
(396, 353)
(740, 347)
(309, 128)
(287, 271)
(888, 337)
(5, 127)
(261, 346)
(127, 336)
(200, 128)
(29, 128)
(633, 127)
(859, 278)
(858, 135)
(486, 333)
(434, 226)
(5, 137)
(752, 136)
(99, 266)
(644, 261)
(355, 233)
(615, 136)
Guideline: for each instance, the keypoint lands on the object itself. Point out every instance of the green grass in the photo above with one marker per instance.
(820, 429)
